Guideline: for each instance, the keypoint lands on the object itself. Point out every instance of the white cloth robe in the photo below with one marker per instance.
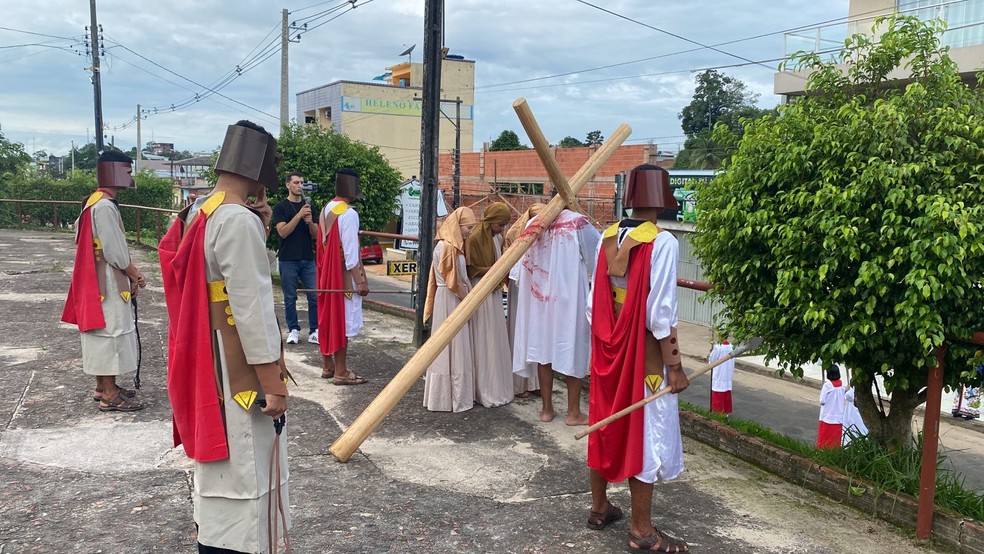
(853, 423)
(722, 375)
(231, 496)
(832, 402)
(111, 350)
(490, 342)
(449, 384)
(348, 233)
(552, 295)
(663, 448)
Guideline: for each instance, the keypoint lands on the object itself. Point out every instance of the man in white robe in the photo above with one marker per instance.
(552, 331)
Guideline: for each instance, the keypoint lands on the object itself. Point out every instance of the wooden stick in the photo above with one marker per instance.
(346, 444)
(547, 158)
(754, 343)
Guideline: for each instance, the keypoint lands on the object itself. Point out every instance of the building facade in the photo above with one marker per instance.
(385, 112)
(964, 35)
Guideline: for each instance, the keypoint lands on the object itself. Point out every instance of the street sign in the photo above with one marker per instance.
(401, 267)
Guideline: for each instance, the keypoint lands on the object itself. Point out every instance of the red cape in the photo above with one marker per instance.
(331, 306)
(83, 306)
(618, 368)
(191, 378)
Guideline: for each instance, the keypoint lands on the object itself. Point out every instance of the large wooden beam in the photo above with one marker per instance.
(350, 440)
(542, 147)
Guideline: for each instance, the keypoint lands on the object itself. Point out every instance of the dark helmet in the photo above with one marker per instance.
(649, 187)
(115, 169)
(347, 184)
(250, 151)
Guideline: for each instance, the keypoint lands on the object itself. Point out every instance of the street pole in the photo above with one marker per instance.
(429, 141)
(284, 41)
(73, 158)
(136, 167)
(456, 196)
(96, 87)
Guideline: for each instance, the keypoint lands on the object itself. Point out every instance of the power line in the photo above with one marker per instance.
(33, 33)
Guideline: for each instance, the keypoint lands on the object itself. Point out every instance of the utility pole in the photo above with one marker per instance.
(136, 167)
(456, 190)
(96, 87)
(429, 141)
(284, 41)
(73, 158)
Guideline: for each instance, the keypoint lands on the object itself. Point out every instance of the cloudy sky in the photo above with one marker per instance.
(581, 68)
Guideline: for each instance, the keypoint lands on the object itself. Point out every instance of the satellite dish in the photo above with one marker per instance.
(408, 50)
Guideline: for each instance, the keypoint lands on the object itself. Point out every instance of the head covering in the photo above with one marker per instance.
(454, 245)
(649, 187)
(250, 151)
(347, 184)
(115, 169)
(514, 231)
(480, 251)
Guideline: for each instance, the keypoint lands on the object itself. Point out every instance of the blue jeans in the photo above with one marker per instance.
(292, 273)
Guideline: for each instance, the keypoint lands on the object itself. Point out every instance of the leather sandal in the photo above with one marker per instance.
(658, 541)
(97, 394)
(119, 404)
(599, 520)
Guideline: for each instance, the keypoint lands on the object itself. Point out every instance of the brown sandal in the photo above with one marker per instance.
(330, 374)
(120, 404)
(658, 541)
(598, 520)
(97, 395)
(351, 379)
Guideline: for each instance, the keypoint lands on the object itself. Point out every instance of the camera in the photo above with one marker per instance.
(310, 186)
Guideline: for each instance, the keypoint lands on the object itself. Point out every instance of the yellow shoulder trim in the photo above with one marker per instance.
(339, 208)
(611, 231)
(93, 198)
(645, 233)
(212, 203)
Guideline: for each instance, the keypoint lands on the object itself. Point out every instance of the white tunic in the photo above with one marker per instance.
(663, 450)
(111, 350)
(348, 233)
(231, 496)
(832, 400)
(552, 294)
(721, 376)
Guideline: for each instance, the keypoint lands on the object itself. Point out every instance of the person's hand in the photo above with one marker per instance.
(133, 289)
(262, 207)
(276, 405)
(363, 288)
(305, 213)
(141, 280)
(676, 379)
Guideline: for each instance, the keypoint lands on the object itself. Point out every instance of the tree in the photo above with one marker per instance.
(850, 227)
(701, 151)
(13, 158)
(86, 156)
(570, 142)
(594, 138)
(717, 97)
(508, 140)
(317, 153)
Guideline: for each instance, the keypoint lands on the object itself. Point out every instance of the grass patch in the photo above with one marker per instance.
(895, 470)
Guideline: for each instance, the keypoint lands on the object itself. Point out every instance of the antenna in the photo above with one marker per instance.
(407, 53)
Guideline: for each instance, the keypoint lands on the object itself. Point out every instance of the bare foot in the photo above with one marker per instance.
(547, 416)
(578, 419)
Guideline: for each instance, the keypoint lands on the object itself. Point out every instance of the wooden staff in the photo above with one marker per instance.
(752, 344)
(346, 444)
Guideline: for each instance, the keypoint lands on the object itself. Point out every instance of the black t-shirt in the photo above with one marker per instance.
(299, 244)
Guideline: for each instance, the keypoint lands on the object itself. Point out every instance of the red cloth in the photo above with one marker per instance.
(829, 435)
(721, 402)
(331, 306)
(618, 369)
(83, 306)
(191, 386)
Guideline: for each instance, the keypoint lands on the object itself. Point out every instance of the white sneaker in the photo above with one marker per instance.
(313, 337)
(293, 336)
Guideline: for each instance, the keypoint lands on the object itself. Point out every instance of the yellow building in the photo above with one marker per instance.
(385, 112)
(964, 35)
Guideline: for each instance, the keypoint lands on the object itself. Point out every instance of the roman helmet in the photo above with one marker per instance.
(347, 184)
(250, 151)
(115, 169)
(649, 187)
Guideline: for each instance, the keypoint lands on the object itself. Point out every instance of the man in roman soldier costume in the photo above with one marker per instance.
(226, 375)
(340, 270)
(104, 281)
(634, 353)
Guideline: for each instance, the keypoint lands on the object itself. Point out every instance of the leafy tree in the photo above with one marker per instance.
(717, 97)
(594, 138)
(86, 156)
(850, 227)
(702, 151)
(13, 158)
(508, 140)
(570, 142)
(317, 153)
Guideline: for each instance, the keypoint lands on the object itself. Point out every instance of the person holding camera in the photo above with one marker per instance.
(297, 228)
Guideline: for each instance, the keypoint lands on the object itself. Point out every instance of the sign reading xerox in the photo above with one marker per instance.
(410, 206)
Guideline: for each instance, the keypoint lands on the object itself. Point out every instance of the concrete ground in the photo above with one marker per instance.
(486, 480)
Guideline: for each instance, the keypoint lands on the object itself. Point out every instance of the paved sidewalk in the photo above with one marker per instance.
(486, 480)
